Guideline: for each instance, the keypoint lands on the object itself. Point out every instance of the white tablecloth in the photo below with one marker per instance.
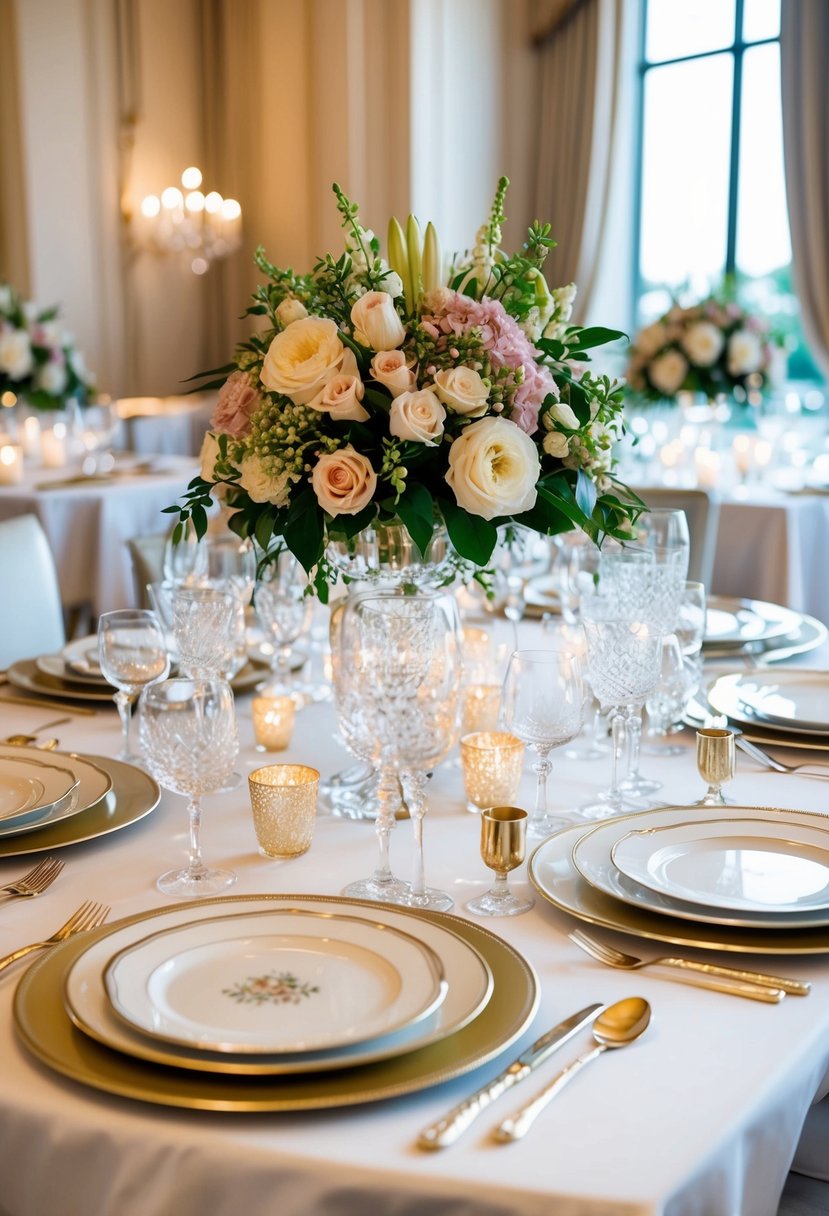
(702, 1116)
(774, 546)
(169, 426)
(88, 526)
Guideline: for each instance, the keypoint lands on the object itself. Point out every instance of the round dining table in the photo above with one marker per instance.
(703, 1114)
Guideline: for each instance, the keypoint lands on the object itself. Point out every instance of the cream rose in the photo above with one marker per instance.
(651, 339)
(463, 391)
(556, 444)
(667, 372)
(390, 368)
(493, 468)
(261, 485)
(376, 323)
(15, 353)
(290, 310)
(703, 343)
(303, 358)
(208, 456)
(343, 481)
(341, 397)
(745, 353)
(418, 416)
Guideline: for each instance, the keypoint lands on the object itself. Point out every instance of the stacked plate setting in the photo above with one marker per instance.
(736, 627)
(50, 799)
(734, 878)
(275, 1003)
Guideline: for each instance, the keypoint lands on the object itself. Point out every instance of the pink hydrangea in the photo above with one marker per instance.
(448, 314)
(238, 402)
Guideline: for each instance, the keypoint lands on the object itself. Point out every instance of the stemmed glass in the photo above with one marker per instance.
(543, 704)
(190, 739)
(284, 611)
(132, 653)
(622, 667)
(503, 845)
(184, 560)
(204, 622)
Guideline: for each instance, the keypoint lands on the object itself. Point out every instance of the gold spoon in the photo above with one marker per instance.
(619, 1025)
(22, 740)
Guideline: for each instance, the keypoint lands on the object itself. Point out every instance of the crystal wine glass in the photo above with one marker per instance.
(503, 846)
(543, 705)
(132, 653)
(190, 739)
(204, 621)
(284, 611)
(185, 559)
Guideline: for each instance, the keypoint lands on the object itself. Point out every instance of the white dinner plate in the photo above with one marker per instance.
(278, 981)
(735, 622)
(787, 699)
(542, 594)
(593, 862)
(467, 977)
(742, 864)
(36, 785)
(92, 783)
(81, 658)
(57, 667)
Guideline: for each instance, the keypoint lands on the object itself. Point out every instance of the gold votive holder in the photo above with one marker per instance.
(480, 707)
(492, 762)
(283, 798)
(273, 722)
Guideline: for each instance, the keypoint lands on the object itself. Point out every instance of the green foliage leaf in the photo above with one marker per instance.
(199, 517)
(586, 493)
(304, 530)
(416, 509)
(473, 538)
(263, 531)
(596, 335)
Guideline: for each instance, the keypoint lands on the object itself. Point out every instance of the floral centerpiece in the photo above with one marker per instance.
(714, 347)
(39, 361)
(384, 389)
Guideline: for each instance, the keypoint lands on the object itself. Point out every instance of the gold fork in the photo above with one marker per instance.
(753, 984)
(88, 916)
(37, 879)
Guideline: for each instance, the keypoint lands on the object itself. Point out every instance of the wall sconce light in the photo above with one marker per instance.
(202, 227)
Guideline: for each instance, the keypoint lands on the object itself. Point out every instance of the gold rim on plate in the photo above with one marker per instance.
(25, 674)
(557, 880)
(45, 1029)
(133, 795)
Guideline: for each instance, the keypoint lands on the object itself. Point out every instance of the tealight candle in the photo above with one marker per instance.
(273, 722)
(53, 446)
(283, 798)
(707, 464)
(30, 437)
(481, 705)
(492, 762)
(11, 464)
(743, 452)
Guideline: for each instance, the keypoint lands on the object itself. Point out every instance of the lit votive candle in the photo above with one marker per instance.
(11, 464)
(481, 706)
(492, 762)
(283, 798)
(30, 437)
(477, 653)
(273, 722)
(707, 464)
(53, 446)
(743, 452)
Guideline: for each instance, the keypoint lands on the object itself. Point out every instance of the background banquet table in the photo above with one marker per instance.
(89, 522)
(702, 1115)
(168, 426)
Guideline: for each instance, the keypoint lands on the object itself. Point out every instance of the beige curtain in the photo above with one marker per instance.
(804, 46)
(14, 254)
(579, 49)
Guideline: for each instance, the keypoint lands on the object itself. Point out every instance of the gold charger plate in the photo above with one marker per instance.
(27, 675)
(46, 1030)
(555, 877)
(133, 795)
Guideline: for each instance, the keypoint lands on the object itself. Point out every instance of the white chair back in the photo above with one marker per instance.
(31, 616)
(702, 512)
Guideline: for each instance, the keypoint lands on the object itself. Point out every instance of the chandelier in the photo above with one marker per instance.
(187, 222)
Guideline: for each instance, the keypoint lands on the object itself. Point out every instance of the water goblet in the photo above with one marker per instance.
(503, 846)
(716, 761)
(189, 736)
(204, 621)
(185, 560)
(284, 612)
(543, 705)
(132, 653)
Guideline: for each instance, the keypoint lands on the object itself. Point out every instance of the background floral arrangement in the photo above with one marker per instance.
(39, 361)
(382, 389)
(712, 347)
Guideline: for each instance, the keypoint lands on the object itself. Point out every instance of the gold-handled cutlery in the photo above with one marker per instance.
(48, 702)
(616, 1026)
(36, 880)
(88, 916)
(21, 740)
(757, 753)
(755, 985)
(447, 1130)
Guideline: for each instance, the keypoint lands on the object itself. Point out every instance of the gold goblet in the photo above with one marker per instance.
(715, 761)
(503, 844)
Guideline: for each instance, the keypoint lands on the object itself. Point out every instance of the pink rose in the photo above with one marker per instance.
(343, 481)
(238, 402)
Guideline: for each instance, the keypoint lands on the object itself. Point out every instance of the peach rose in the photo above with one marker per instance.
(343, 481)
(340, 399)
(463, 391)
(303, 358)
(376, 323)
(390, 368)
(418, 416)
(238, 402)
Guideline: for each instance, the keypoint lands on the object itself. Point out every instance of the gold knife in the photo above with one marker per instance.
(447, 1130)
